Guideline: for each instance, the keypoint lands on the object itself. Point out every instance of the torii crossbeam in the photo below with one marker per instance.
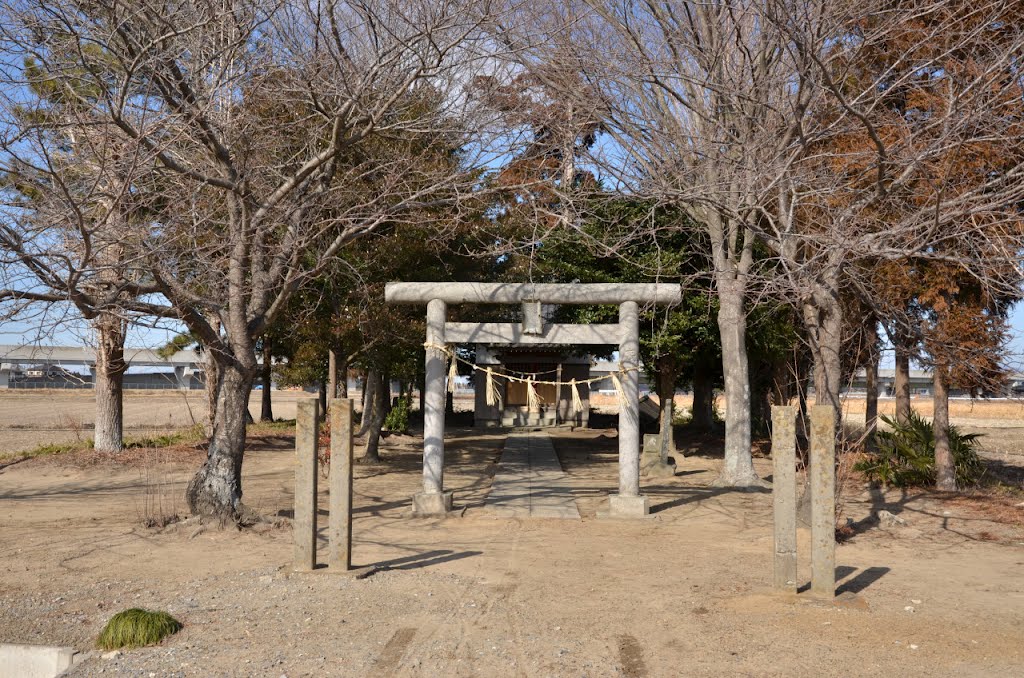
(434, 500)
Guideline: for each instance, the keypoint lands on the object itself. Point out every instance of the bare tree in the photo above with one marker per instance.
(909, 148)
(694, 97)
(830, 132)
(264, 122)
(67, 206)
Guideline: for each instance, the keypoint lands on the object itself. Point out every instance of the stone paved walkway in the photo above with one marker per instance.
(530, 482)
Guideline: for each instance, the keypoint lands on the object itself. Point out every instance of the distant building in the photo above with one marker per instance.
(35, 366)
(921, 385)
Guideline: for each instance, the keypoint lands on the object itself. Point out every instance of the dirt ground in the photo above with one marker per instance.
(684, 592)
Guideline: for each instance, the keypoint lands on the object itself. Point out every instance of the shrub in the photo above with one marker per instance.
(137, 627)
(906, 454)
(397, 420)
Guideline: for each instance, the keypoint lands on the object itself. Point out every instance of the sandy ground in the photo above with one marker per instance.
(684, 592)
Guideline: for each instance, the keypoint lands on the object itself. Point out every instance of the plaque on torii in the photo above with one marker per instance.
(434, 500)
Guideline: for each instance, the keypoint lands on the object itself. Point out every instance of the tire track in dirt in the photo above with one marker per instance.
(631, 656)
(460, 624)
(393, 651)
(503, 591)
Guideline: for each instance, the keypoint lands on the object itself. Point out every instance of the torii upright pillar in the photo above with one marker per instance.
(629, 503)
(433, 500)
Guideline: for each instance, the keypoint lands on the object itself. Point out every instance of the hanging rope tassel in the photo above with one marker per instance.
(617, 383)
(577, 402)
(491, 389)
(532, 399)
(453, 373)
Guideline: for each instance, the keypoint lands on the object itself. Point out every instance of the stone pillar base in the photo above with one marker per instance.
(651, 465)
(627, 507)
(431, 504)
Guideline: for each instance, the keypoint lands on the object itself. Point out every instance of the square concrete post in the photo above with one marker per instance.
(307, 424)
(433, 500)
(339, 533)
(784, 496)
(823, 500)
(629, 502)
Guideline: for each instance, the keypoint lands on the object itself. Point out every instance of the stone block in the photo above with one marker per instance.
(35, 661)
(656, 468)
(652, 444)
(651, 465)
(425, 504)
(620, 506)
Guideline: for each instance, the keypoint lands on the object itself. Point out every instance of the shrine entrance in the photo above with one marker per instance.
(532, 331)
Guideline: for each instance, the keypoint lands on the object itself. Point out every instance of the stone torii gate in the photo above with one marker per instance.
(434, 500)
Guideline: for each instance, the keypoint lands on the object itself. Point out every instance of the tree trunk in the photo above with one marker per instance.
(666, 393)
(371, 384)
(945, 470)
(823, 319)
(371, 453)
(213, 380)
(703, 410)
(738, 467)
(902, 383)
(266, 405)
(332, 373)
(216, 489)
(803, 429)
(322, 397)
(342, 387)
(386, 401)
(871, 401)
(108, 435)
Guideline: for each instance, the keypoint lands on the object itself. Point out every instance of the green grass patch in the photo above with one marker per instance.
(188, 435)
(271, 427)
(137, 628)
(47, 449)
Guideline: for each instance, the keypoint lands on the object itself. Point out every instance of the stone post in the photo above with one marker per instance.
(629, 502)
(784, 496)
(339, 532)
(433, 500)
(823, 500)
(307, 424)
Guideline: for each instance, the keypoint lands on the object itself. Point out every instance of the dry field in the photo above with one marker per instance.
(30, 418)
(994, 413)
